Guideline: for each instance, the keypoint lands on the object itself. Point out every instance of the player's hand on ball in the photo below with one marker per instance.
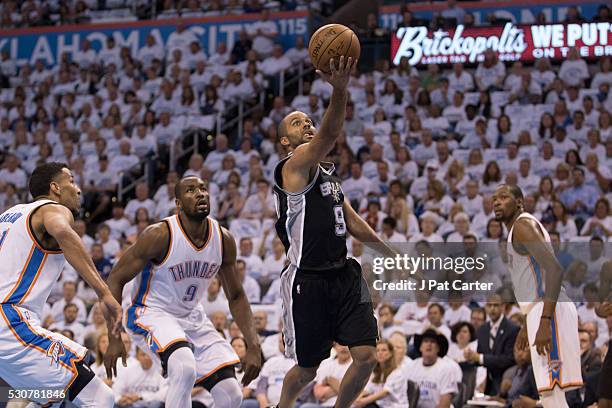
(543, 340)
(339, 76)
(112, 313)
(522, 341)
(116, 349)
(252, 365)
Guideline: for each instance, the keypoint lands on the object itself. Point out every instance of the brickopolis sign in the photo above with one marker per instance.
(511, 42)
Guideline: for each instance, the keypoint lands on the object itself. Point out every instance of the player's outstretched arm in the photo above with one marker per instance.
(528, 235)
(151, 245)
(361, 230)
(57, 221)
(240, 308)
(308, 155)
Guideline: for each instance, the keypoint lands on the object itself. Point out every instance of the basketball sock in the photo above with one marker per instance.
(227, 393)
(555, 399)
(95, 394)
(181, 378)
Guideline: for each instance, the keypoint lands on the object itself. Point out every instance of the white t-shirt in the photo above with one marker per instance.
(148, 384)
(433, 381)
(274, 371)
(263, 45)
(573, 72)
(331, 368)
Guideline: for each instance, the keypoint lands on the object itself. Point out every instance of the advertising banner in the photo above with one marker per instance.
(511, 42)
(48, 43)
(518, 12)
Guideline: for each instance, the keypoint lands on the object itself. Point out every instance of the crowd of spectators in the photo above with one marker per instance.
(421, 153)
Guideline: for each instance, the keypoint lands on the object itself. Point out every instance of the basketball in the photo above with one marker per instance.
(332, 41)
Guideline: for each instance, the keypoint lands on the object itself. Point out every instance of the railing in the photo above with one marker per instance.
(127, 184)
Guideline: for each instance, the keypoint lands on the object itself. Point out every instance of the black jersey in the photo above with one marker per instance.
(311, 223)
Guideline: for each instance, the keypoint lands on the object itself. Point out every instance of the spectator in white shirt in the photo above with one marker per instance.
(180, 39)
(329, 376)
(253, 262)
(141, 200)
(472, 201)
(490, 73)
(259, 205)
(574, 70)
(299, 53)
(275, 63)
(12, 173)
(125, 160)
(250, 285)
(460, 80)
(263, 33)
(238, 88)
(110, 245)
(69, 322)
(140, 385)
(87, 56)
(109, 54)
(271, 377)
(150, 51)
(69, 290)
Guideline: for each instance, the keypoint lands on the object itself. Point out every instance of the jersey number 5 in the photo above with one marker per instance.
(190, 293)
(340, 224)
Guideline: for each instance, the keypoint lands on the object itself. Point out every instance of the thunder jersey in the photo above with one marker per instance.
(311, 223)
(27, 271)
(528, 278)
(178, 284)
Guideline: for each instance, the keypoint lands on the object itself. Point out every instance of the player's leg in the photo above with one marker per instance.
(605, 380)
(357, 375)
(95, 394)
(357, 329)
(168, 344)
(306, 329)
(34, 357)
(554, 399)
(215, 362)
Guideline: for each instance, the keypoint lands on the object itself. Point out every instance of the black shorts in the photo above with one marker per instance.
(605, 378)
(325, 306)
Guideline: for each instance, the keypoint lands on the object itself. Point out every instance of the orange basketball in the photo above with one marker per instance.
(332, 41)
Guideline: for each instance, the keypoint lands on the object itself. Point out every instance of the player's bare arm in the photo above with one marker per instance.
(605, 284)
(531, 239)
(57, 221)
(150, 246)
(240, 308)
(302, 165)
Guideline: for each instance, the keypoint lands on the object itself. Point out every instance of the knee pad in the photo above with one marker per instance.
(227, 393)
(182, 367)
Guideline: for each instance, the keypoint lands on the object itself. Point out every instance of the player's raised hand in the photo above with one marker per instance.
(339, 76)
(252, 365)
(116, 349)
(543, 340)
(604, 309)
(112, 313)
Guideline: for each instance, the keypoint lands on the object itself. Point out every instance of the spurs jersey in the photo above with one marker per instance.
(311, 223)
(527, 276)
(179, 282)
(27, 271)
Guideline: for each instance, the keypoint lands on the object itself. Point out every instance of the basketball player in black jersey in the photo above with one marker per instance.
(322, 289)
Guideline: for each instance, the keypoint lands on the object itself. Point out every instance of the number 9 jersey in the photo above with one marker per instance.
(311, 223)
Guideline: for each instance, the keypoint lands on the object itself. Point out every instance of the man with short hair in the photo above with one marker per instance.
(69, 297)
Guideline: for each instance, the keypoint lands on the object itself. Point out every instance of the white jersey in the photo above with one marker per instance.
(27, 271)
(527, 276)
(179, 282)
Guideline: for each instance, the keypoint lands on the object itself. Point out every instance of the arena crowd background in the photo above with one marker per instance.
(136, 94)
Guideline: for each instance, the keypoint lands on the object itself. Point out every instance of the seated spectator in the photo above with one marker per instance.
(141, 200)
(111, 246)
(600, 224)
(101, 262)
(140, 385)
(69, 297)
(434, 376)
(69, 323)
(329, 376)
(254, 264)
(386, 321)
(387, 386)
(518, 385)
(260, 205)
(573, 70)
(435, 320)
(276, 63)
(400, 351)
(590, 358)
(271, 377)
(215, 299)
(260, 321)
(118, 224)
(250, 285)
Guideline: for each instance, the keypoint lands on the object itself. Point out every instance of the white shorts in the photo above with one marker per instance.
(562, 367)
(33, 357)
(156, 331)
